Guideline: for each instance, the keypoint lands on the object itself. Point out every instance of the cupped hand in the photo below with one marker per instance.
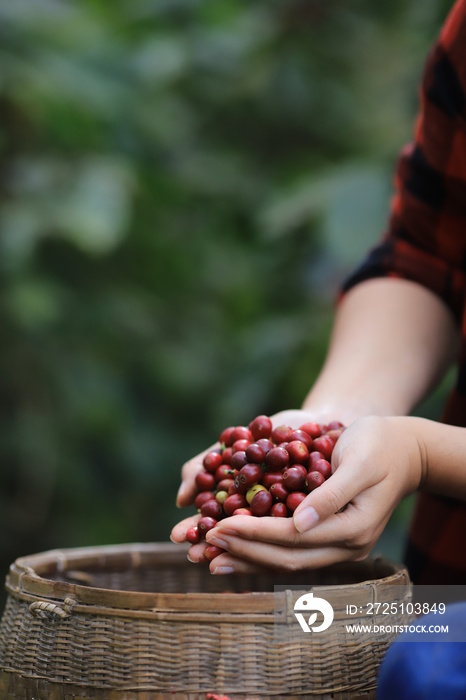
(187, 490)
(376, 462)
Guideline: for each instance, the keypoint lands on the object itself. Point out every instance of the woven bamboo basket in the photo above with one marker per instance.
(139, 622)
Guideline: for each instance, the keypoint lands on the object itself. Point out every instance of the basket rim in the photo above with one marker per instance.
(29, 579)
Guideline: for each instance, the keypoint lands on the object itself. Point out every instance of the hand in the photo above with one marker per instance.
(376, 462)
(187, 491)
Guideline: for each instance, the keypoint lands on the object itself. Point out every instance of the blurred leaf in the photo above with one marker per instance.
(160, 60)
(96, 213)
(34, 303)
(92, 209)
(349, 202)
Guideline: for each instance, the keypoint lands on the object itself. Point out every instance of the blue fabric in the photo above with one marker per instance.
(427, 670)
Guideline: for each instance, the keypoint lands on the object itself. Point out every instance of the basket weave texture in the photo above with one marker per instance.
(139, 622)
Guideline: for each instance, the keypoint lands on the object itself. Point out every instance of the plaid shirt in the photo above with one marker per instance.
(426, 243)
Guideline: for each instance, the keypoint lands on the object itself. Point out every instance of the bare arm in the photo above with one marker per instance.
(443, 455)
(391, 343)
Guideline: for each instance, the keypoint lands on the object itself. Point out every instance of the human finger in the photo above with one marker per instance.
(342, 528)
(223, 563)
(226, 563)
(331, 497)
(178, 533)
(282, 558)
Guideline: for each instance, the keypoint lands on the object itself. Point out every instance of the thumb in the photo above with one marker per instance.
(327, 499)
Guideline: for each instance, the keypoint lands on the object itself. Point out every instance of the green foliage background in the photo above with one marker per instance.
(183, 185)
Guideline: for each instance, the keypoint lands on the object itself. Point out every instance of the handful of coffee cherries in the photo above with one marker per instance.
(261, 471)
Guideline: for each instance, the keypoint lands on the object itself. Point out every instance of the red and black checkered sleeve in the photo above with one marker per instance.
(426, 237)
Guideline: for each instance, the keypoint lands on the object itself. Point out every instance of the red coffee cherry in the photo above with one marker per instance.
(325, 445)
(242, 511)
(313, 458)
(260, 427)
(233, 502)
(205, 481)
(312, 429)
(279, 492)
(193, 534)
(241, 433)
(226, 436)
(278, 458)
(224, 471)
(294, 478)
(255, 453)
(227, 455)
(202, 497)
(212, 508)
(265, 444)
(298, 451)
(279, 510)
(281, 434)
(205, 524)
(224, 485)
(300, 435)
(240, 445)
(249, 475)
(238, 459)
(294, 499)
(322, 466)
(261, 503)
(313, 480)
(270, 478)
(333, 425)
(212, 461)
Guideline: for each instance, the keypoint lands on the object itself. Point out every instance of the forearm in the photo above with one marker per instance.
(443, 457)
(391, 343)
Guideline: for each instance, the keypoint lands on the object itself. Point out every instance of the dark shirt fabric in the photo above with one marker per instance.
(426, 243)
